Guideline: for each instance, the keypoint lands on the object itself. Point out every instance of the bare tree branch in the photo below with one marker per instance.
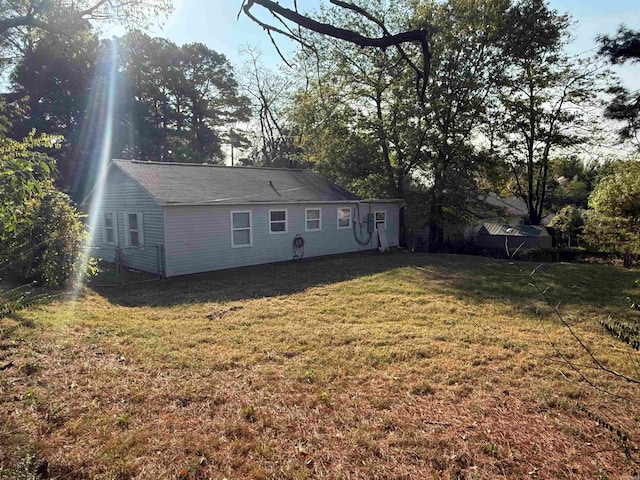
(419, 36)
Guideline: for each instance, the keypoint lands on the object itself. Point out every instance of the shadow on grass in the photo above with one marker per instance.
(568, 284)
(258, 281)
(471, 278)
(109, 276)
(15, 297)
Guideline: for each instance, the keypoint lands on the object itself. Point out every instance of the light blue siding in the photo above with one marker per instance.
(121, 196)
(198, 238)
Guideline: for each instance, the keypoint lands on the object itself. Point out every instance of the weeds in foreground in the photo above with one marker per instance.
(628, 332)
(28, 468)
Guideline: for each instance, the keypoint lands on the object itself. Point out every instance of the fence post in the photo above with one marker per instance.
(118, 265)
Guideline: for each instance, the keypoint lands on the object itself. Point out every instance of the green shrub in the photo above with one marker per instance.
(45, 249)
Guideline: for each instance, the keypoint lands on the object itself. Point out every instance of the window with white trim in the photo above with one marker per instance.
(313, 219)
(277, 221)
(381, 220)
(344, 217)
(110, 228)
(133, 224)
(241, 233)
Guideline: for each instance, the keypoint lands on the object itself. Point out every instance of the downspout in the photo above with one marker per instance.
(373, 227)
(164, 245)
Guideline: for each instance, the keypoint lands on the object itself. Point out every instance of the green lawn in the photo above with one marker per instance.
(359, 366)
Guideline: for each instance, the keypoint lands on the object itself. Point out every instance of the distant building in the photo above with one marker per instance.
(493, 235)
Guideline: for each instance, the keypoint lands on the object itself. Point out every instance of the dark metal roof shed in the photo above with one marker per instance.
(513, 230)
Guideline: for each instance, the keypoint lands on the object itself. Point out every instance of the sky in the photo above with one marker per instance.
(216, 24)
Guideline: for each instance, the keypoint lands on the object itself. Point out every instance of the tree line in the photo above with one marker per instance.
(171, 103)
(505, 107)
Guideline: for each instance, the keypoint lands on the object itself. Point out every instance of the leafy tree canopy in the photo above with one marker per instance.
(616, 208)
(52, 92)
(544, 99)
(625, 46)
(23, 174)
(26, 23)
(180, 102)
(568, 222)
(625, 106)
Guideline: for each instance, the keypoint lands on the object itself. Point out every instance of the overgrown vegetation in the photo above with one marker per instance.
(41, 232)
(411, 366)
(46, 248)
(615, 220)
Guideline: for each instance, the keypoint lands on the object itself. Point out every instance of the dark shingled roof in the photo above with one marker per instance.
(178, 183)
(513, 230)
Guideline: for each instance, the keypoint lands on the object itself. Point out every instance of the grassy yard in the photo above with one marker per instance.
(365, 366)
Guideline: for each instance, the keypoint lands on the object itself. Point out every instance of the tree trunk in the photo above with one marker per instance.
(384, 144)
(436, 210)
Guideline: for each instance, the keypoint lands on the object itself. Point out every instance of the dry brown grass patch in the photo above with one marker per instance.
(351, 367)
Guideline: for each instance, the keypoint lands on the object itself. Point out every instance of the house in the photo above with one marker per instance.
(509, 210)
(495, 235)
(514, 210)
(493, 209)
(175, 218)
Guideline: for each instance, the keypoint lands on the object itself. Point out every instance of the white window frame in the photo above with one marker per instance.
(375, 218)
(140, 230)
(307, 220)
(114, 215)
(338, 218)
(286, 221)
(250, 228)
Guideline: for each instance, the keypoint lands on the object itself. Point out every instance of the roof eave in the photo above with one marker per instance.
(137, 182)
(381, 200)
(87, 198)
(276, 202)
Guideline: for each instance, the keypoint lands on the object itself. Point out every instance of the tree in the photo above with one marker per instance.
(147, 70)
(26, 23)
(370, 94)
(568, 222)
(40, 231)
(51, 89)
(350, 34)
(333, 139)
(49, 15)
(275, 142)
(363, 93)
(625, 106)
(180, 100)
(465, 67)
(56, 16)
(209, 83)
(544, 98)
(615, 220)
(572, 181)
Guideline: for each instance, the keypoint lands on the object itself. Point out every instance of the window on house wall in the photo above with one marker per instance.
(135, 236)
(277, 221)
(381, 220)
(313, 219)
(241, 235)
(110, 228)
(344, 217)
